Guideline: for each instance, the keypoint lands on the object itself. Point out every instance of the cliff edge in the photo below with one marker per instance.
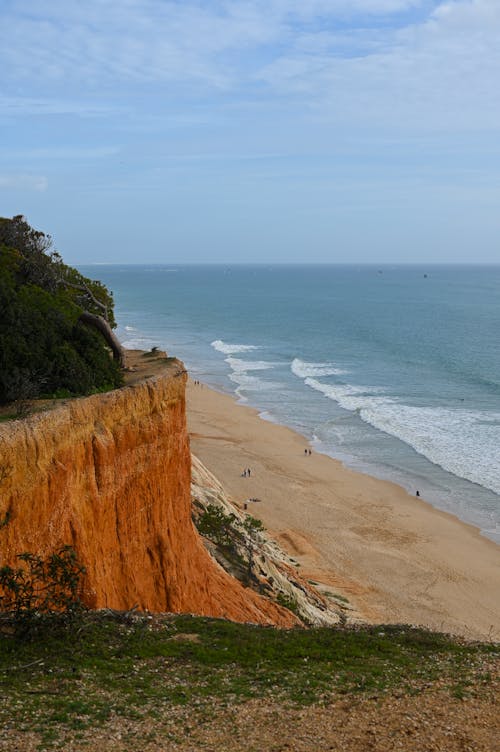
(110, 475)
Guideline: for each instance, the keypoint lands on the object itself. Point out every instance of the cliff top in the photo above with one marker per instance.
(139, 365)
(143, 364)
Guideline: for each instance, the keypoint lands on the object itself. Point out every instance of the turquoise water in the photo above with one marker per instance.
(393, 370)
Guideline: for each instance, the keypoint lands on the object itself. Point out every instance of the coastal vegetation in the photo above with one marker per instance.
(41, 593)
(236, 543)
(126, 668)
(55, 324)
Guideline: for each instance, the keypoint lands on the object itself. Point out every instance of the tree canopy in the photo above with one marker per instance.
(55, 323)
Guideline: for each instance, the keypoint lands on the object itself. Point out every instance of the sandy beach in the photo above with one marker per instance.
(393, 556)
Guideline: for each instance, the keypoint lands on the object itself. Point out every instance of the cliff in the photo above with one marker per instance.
(256, 559)
(110, 475)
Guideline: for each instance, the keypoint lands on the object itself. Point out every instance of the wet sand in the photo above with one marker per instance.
(393, 556)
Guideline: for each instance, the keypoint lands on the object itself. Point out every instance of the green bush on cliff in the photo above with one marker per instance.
(41, 590)
(45, 346)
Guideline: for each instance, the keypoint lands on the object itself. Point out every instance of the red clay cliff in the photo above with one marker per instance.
(110, 475)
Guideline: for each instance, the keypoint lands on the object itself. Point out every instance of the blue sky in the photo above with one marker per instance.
(254, 130)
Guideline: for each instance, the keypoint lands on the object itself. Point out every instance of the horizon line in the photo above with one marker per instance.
(227, 264)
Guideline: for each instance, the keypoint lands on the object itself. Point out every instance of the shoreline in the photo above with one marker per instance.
(394, 557)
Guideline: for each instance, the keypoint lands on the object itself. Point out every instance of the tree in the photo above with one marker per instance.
(55, 324)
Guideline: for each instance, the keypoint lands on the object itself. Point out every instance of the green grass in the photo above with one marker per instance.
(103, 667)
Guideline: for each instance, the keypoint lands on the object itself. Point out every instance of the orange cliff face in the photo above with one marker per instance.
(110, 475)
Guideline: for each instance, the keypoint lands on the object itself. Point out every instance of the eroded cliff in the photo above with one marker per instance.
(255, 558)
(110, 475)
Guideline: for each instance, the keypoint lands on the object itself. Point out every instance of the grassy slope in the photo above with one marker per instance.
(59, 684)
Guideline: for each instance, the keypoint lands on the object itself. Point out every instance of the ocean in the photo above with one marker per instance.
(394, 370)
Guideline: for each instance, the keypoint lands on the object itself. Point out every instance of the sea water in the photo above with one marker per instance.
(394, 370)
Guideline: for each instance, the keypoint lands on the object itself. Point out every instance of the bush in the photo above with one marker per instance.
(41, 588)
(217, 526)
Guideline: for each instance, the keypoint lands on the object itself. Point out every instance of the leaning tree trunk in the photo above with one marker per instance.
(100, 323)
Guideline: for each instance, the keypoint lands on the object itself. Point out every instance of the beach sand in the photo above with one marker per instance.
(393, 556)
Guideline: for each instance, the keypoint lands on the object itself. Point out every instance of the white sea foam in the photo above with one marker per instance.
(348, 396)
(247, 381)
(305, 370)
(227, 349)
(240, 366)
(241, 370)
(463, 442)
(130, 329)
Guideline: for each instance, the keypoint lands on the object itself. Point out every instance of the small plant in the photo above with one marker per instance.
(287, 601)
(5, 471)
(58, 394)
(217, 526)
(5, 519)
(252, 525)
(151, 353)
(49, 587)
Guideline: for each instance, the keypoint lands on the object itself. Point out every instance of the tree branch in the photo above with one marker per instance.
(84, 288)
(100, 323)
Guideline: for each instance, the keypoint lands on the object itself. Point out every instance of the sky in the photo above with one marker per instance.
(337, 131)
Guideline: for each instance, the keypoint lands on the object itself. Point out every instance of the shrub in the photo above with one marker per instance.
(217, 526)
(40, 588)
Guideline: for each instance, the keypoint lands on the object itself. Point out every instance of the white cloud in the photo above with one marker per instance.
(24, 182)
(60, 152)
(148, 40)
(333, 8)
(443, 72)
(335, 56)
(97, 42)
(31, 105)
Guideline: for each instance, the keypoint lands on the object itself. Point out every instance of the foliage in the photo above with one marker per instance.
(252, 525)
(40, 588)
(217, 526)
(43, 345)
(237, 541)
(223, 529)
(288, 602)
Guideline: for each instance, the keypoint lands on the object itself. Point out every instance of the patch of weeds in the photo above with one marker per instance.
(7, 416)
(340, 598)
(288, 602)
(58, 394)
